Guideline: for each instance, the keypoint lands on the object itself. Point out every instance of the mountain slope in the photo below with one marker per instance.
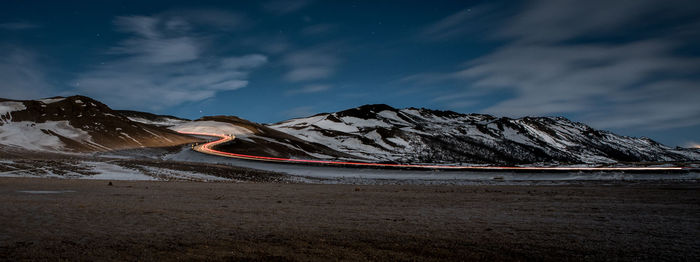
(152, 119)
(76, 124)
(256, 139)
(383, 133)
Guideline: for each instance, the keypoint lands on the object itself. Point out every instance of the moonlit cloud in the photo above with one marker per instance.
(18, 26)
(608, 84)
(285, 6)
(162, 59)
(22, 74)
(301, 111)
(549, 21)
(451, 26)
(309, 89)
(310, 64)
(244, 62)
(317, 29)
(212, 19)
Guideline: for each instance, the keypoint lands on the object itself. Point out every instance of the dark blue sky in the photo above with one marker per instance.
(631, 67)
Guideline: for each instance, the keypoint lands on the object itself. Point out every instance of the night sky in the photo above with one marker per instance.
(631, 67)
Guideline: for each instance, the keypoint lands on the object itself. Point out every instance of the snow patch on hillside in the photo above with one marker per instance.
(363, 123)
(37, 136)
(332, 125)
(11, 106)
(212, 127)
(163, 122)
(52, 100)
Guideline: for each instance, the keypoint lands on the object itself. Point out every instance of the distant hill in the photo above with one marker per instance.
(76, 124)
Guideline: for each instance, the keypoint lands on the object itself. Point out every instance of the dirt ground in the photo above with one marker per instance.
(91, 220)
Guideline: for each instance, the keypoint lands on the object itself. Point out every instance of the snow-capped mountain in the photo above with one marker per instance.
(385, 134)
(76, 124)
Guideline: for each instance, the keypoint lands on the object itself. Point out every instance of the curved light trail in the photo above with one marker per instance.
(207, 148)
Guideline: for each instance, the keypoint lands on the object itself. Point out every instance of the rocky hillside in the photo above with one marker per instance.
(76, 124)
(385, 134)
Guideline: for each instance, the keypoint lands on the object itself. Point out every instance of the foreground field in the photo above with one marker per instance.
(143, 220)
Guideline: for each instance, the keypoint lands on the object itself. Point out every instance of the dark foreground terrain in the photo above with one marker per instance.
(91, 220)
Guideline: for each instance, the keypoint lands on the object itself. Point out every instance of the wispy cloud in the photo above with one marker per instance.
(608, 84)
(317, 29)
(285, 6)
(310, 64)
(18, 26)
(22, 74)
(309, 89)
(163, 63)
(548, 21)
(150, 45)
(244, 62)
(269, 44)
(217, 19)
(457, 24)
(301, 111)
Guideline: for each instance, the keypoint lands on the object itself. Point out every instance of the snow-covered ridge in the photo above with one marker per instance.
(412, 135)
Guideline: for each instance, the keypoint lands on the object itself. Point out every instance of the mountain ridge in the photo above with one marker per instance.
(435, 136)
(370, 133)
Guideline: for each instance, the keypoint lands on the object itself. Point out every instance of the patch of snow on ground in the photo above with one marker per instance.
(11, 106)
(29, 135)
(374, 135)
(165, 122)
(299, 121)
(389, 115)
(182, 175)
(52, 100)
(212, 127)
(332, 125)
(513, 135)
(399, 141)
(358, 122)
(560, 144)
(412, 112)
(109, 171)
(129, 137)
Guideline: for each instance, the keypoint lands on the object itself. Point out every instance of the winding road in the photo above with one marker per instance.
(207, 148)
